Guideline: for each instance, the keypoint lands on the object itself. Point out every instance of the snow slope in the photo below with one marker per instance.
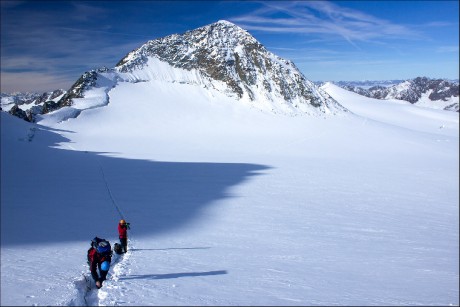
(228, 59)
(396, 112)
(230, 205)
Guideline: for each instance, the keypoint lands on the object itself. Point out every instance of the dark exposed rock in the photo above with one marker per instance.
(36, 103)
(16, 111)
(85, 81)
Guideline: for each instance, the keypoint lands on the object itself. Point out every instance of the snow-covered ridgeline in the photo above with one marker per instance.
(28, 105)
(228, 54)
(220, 57)
(155, 69)
(450, 104)
(433, 93)
(93, 96)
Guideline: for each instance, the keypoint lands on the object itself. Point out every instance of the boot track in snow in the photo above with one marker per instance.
(88, 295)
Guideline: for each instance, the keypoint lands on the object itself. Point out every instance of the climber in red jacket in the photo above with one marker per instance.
(99, 259)
(123, 234)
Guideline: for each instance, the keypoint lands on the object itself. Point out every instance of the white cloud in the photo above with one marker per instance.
(324, 19)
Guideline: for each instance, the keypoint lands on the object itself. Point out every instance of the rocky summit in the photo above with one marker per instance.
(218, 57)
(226, 53)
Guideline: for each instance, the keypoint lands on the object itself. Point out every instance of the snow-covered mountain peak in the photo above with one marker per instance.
(219, 58)
(224, 57)
(226, 23)
(220, 37)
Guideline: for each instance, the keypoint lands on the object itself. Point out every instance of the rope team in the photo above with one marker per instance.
(100, 253)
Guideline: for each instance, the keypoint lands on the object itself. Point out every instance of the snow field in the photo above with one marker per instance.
(230, 205)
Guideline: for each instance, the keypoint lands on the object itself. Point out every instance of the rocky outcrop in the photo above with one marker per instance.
(28, 105)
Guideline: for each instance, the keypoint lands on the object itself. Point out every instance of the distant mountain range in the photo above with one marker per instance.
(364, 83)
(222, 57)
(28, 105)
(423, 91)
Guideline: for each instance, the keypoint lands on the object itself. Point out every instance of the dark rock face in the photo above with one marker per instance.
(16, 111)
(443, 89)
(86, 80)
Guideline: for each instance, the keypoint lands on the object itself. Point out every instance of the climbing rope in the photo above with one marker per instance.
(110, 193)
(122, 216)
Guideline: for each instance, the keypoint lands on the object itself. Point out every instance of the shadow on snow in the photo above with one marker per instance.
(166, 249)
(54, 195)
(174, 275)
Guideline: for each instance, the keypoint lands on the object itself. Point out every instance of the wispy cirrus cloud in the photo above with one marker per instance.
(324, 19)
(86, 12)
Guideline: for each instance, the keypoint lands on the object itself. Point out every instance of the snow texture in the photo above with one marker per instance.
(230, 204)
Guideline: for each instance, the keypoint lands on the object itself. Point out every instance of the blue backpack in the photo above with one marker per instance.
(102, 246)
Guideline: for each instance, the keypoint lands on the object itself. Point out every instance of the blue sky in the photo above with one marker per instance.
(48, 45)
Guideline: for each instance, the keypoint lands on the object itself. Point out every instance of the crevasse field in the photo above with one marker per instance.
(231, 205)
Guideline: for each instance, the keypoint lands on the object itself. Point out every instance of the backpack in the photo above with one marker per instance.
(93, 255)
(102, 246)
(117, 249)
(95, 242)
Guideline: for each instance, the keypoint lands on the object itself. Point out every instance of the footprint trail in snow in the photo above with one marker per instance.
(112, 292)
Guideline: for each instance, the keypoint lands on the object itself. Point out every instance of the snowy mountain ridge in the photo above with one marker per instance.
(422, 91)
(28, 105)
(366, 84)
(227, 58)
(222, 58)
(219, 58)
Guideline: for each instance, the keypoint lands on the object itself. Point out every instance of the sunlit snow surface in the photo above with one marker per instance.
(232, 205)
